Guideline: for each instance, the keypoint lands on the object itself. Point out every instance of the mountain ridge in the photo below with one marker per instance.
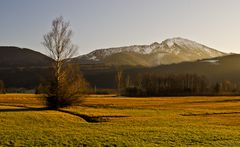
(11, 56)
(173, 50)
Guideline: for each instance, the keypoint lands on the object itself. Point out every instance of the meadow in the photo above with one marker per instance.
(121, 121)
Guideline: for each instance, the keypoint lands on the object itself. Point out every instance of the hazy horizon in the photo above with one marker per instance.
(111, 23)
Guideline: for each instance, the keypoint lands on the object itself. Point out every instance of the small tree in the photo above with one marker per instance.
(2, 87)
(63, 88)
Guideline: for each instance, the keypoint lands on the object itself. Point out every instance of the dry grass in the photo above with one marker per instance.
(166, 121)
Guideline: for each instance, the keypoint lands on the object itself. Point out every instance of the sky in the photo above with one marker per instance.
(112, 23)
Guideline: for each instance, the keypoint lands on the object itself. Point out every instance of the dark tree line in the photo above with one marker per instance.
(176, 85)
(227, 87)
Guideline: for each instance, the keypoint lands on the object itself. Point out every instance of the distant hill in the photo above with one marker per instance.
(175, 50)
(219, 68)
(22, 68)
(21, 57)
(214, 69)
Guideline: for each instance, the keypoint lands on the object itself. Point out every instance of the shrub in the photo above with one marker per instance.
(67, 91)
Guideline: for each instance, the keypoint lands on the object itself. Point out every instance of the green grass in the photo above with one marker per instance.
(172, 121)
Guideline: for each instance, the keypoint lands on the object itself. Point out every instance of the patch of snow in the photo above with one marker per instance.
(211, 61)
(147, 50)
(144, 49)
(93, 58)
(170, 43)
(134, 49)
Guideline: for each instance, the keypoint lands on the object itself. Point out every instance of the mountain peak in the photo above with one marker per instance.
(154, 45)
(173, 50)
(180, 41)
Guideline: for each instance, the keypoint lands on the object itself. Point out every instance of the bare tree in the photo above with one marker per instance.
(58, 43)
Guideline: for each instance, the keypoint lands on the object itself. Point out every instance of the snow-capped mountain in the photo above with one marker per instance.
(170, 51)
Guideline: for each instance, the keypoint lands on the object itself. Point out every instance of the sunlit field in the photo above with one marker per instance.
(120, 121)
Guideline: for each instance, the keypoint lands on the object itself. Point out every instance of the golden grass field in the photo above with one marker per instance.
(165, 121)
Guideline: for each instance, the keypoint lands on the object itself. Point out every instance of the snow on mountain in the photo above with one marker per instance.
(170, 42)
(178, 45)
(169, 51)
(211, 61)
(102, 53)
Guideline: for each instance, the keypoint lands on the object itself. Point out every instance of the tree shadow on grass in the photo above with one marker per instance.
(22, 109)
(90, 119)
(93, 119)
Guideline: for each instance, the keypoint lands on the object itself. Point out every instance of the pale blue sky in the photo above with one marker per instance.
(111, 23)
